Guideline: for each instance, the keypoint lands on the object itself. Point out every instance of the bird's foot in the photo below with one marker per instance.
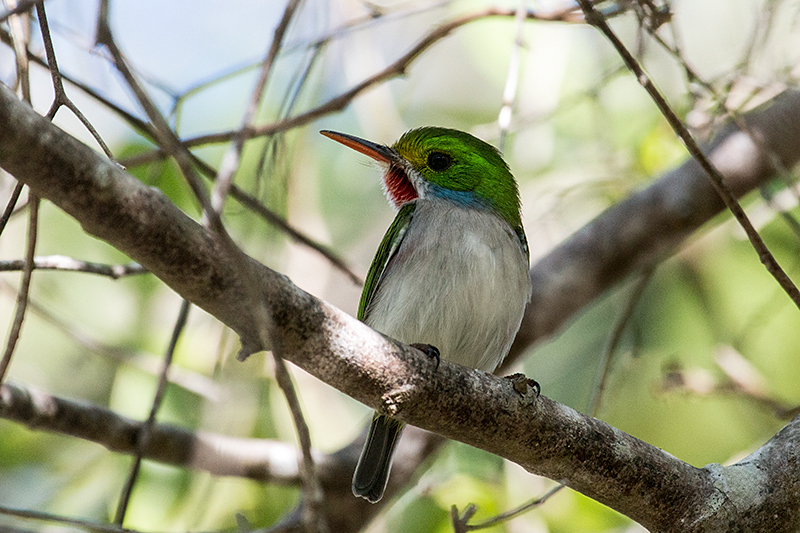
(429, 350)
(522, 383)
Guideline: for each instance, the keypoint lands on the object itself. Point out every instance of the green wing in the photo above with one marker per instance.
(523, 242)
(389, 245)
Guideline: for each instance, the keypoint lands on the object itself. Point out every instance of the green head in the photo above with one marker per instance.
(433, 162)
(457, 166)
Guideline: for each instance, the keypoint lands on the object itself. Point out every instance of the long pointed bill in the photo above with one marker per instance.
(376, 151)
(398, 187)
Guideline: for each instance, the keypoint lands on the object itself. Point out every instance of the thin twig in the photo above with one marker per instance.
(675, 51)
(787, 216)
(231, 159)
(760, 33)
(88, 525)
(20, 208)
(146, 432)
(161, 130)
(20, 36)
(18, 9)
(189, 380)
(719, 100)
(616, 336)
(377, 15)
(333, 105)
(12, 202)
(301, 76)
(512, 77)
(356, 24)
(276, 220)
(596, 19)
(213, 220)
(270, 216)
(396, 69)
(69, 264)
(169, 141)
(24, 287)
(61, 98)
(700, 383)
(313, 514)
(132, 120)
(20, 40)
(460, 524)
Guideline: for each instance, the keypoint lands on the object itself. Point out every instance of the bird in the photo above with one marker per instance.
(451, 273)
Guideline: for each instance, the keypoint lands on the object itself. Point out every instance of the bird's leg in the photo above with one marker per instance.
(521, 382)
(429, 350)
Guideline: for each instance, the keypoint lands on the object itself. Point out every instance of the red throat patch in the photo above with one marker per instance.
(398, 186)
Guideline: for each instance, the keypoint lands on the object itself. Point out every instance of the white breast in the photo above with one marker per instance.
(459, 281)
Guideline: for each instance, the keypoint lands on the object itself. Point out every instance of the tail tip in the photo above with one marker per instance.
(372, 493)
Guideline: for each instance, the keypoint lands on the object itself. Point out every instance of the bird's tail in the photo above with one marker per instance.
(372, 472)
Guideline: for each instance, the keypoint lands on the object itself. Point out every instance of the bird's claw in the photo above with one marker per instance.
(521, 383)
(429, 350)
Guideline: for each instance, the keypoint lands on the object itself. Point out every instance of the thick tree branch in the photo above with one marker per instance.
(257, 459)
(123, 211)
(264, 460)
(546, 438)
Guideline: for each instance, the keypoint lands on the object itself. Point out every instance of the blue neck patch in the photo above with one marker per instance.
(461, 198)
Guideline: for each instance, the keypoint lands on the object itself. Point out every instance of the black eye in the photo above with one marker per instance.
(439, 161)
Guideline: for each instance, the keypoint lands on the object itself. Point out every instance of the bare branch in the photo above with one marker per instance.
(20, 8)
(338, 103)
(396, 69)
(143, 210)
(148, 363)
(460, 521)
(24, 287)
(757, 488)
(12, 202)
(88, 525)
(20, 35)
(243, 197)
(146, 433)
(268, 461)
(252, 203)
(597, 19)
(163, 134)
(257, 459)
(312, 514)
(69, 264)
(134, 122)
(61, 98)
(646, 227)
(230, 161)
